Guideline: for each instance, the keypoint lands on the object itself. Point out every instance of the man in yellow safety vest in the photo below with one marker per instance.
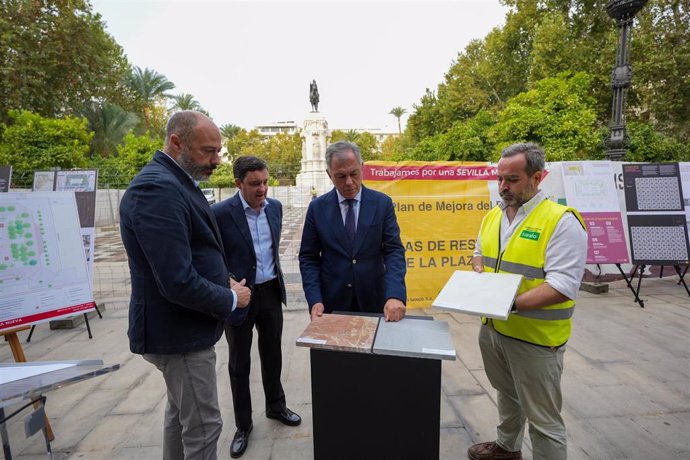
(545, 242)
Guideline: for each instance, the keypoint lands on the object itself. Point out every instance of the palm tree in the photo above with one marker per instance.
(351, 136)
(147, 86)
(398, 112)
(229, 130)
(185, 101)
(109, 123)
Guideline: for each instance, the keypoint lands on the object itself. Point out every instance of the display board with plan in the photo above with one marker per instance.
(656, 214)
(44, 181)
(659, 240)
(589, 188)
(652, 187)
(83, 183)
(43, 273)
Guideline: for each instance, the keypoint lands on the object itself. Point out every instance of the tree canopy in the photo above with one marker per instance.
(558, 113)
(148, 88)
(30, 142)
(398, 112)
(367, 143)
(186, 101)
(281, 152)
(132, 154)
(109, 123)
(229, 130)
(541, 40)
(54, 56)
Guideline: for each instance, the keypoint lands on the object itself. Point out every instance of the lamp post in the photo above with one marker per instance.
(623, 11)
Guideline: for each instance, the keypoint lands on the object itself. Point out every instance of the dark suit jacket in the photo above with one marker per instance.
(237, 239)
(180, 296)
(374, 272)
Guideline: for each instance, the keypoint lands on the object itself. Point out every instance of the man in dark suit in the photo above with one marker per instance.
(180, 296)
(250, 226)
(351, 257)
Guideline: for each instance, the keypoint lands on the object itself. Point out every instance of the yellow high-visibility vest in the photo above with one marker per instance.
(525, 255)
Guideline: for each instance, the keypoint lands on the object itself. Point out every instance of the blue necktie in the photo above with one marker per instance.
(350, 221)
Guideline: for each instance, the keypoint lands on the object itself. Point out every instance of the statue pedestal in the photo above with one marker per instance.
(313, 165)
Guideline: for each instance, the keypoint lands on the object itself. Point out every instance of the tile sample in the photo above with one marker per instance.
(340, 332)
(415, 338)
(484, 294)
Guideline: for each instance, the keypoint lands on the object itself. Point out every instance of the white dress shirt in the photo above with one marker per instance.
(262, 241)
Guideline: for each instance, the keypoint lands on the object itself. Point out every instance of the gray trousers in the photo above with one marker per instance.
(528, 381)
(192, 422)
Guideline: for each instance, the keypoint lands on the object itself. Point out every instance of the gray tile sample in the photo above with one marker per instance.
(414, 338)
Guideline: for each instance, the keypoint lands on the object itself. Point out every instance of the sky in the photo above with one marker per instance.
(250, 63)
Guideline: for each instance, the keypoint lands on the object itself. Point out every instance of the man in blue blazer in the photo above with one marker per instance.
(180, 296)
(250, 226)
(351, 257)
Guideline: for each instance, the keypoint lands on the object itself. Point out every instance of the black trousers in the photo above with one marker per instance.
(265, 312)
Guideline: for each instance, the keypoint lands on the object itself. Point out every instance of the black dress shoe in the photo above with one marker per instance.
(285, 416)
(240, 442)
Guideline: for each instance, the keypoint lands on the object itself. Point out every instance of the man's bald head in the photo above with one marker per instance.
(182, 124)
(193, 140)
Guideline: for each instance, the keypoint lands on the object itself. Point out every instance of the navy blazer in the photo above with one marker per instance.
(374, 271)
(237, 239)
(180, 295)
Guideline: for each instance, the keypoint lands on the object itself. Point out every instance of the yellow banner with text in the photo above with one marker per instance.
(439, 206)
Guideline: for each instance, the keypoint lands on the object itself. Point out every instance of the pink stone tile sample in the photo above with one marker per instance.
(340, 332)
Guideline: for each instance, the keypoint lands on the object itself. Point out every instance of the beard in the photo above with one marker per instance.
(515, 200)
(199, 172)
(510, 199)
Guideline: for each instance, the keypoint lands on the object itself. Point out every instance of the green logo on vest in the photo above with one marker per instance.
(530, 235)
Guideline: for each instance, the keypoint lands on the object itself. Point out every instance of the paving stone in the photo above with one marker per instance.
(293, 448)
(133, 453)
(458, 380)
(454, 443)
(449, 417)
(479, 416)
(110, 432)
